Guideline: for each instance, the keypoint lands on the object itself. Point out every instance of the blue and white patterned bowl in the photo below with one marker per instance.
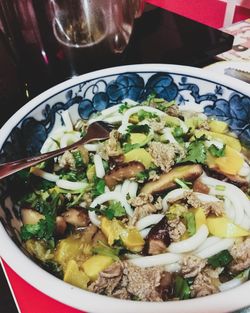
(226, 98)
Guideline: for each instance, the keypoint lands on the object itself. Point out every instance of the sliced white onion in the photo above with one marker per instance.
(92, 147)
(67, 120)
(144, 232)
(134, 110)
(245, 170)
(55, 136)
(115, 196)
(229, 208)
(156, 260)
(70, 185)
(69, 138)
(99, 168)
(125, 187)
(45, 175)
(106, 189)
(148, 221)
(207, 243)
(221, 245)
(173, 268)
(132, 189)
(191, 243)
(94, 218)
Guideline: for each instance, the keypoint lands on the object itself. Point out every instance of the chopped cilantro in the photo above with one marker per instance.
(98, 187)
(220, 259)
(142, 176)
(124, 107)
(181, 288)
(144, 129)
(72, 175)
(103, 249)
(144, 115)
(114, 210)
(217, 152)
(78, 158)
(196, 152)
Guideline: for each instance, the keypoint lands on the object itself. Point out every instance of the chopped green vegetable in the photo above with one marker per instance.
(104, 249)
(98, 187)
(124, 107)
(181, 288)
(178, 132)
(196, 152)
(182, 183)
(128, 147)
(72, 175)
(144, 129)
(114, 210)
(220, 187)
(190, 223)
(144, 115)
(217, 152)
(220, 259)
(78, 158)
(142, 176)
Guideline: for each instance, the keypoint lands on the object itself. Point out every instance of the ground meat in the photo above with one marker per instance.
(241, 254)
(125, 281)
(205, 283)
(164, 154)
(143, 282)
(216, 207)
(153, 176)
(190, 198)
(67, 160)
(192, 265)
(157, 126)
(111, 147)
(108, 279)
(176, 229)
(143, 206)
(174, 110)
(87, 199)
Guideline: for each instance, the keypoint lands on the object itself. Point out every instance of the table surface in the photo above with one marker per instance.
(157, 27)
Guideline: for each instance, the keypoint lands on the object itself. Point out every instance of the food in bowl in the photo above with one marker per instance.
(160, 211)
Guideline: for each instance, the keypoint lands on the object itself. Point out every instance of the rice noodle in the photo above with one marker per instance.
(99, 168)
(69, 138)
(221, 245)
(207, 243)
(92, 147)
(148, 221)
(125, 187)
(172, 268)
(191, 243)
(118, 188)
(115, 196)
(70, 185)
(230, 284)
(167, 135)
(132, 189)
(172, 195)
(94, 218)
(156, 260)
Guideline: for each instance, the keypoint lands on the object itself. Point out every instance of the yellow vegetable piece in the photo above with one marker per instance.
(67, 249)
(96, 264)
(115, 230)
(91, 173)
(225, 228)
(226, 139)
(74, 276)
(200, 217)
(137, 138)
(140, 155)
(134, 119)
(218, 126)
(132, 240)
(231, 163)
(112, 229)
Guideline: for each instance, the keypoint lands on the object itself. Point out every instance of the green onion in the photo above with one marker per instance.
(181, 183)
(220, 188)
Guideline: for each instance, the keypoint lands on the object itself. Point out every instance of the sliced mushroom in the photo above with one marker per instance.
(30, 216)
(198, 186)
(167, 181)
(166, 285)
(157, 239)
(122, 172)
(77, 217)
(60, 225)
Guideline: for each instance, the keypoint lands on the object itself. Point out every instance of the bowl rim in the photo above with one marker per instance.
(226, 301)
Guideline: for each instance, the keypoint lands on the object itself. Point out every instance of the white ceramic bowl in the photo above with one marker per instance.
(25, 131)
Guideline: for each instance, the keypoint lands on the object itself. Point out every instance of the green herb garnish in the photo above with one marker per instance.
(181, 288)
(220, 259)
(217, 152)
